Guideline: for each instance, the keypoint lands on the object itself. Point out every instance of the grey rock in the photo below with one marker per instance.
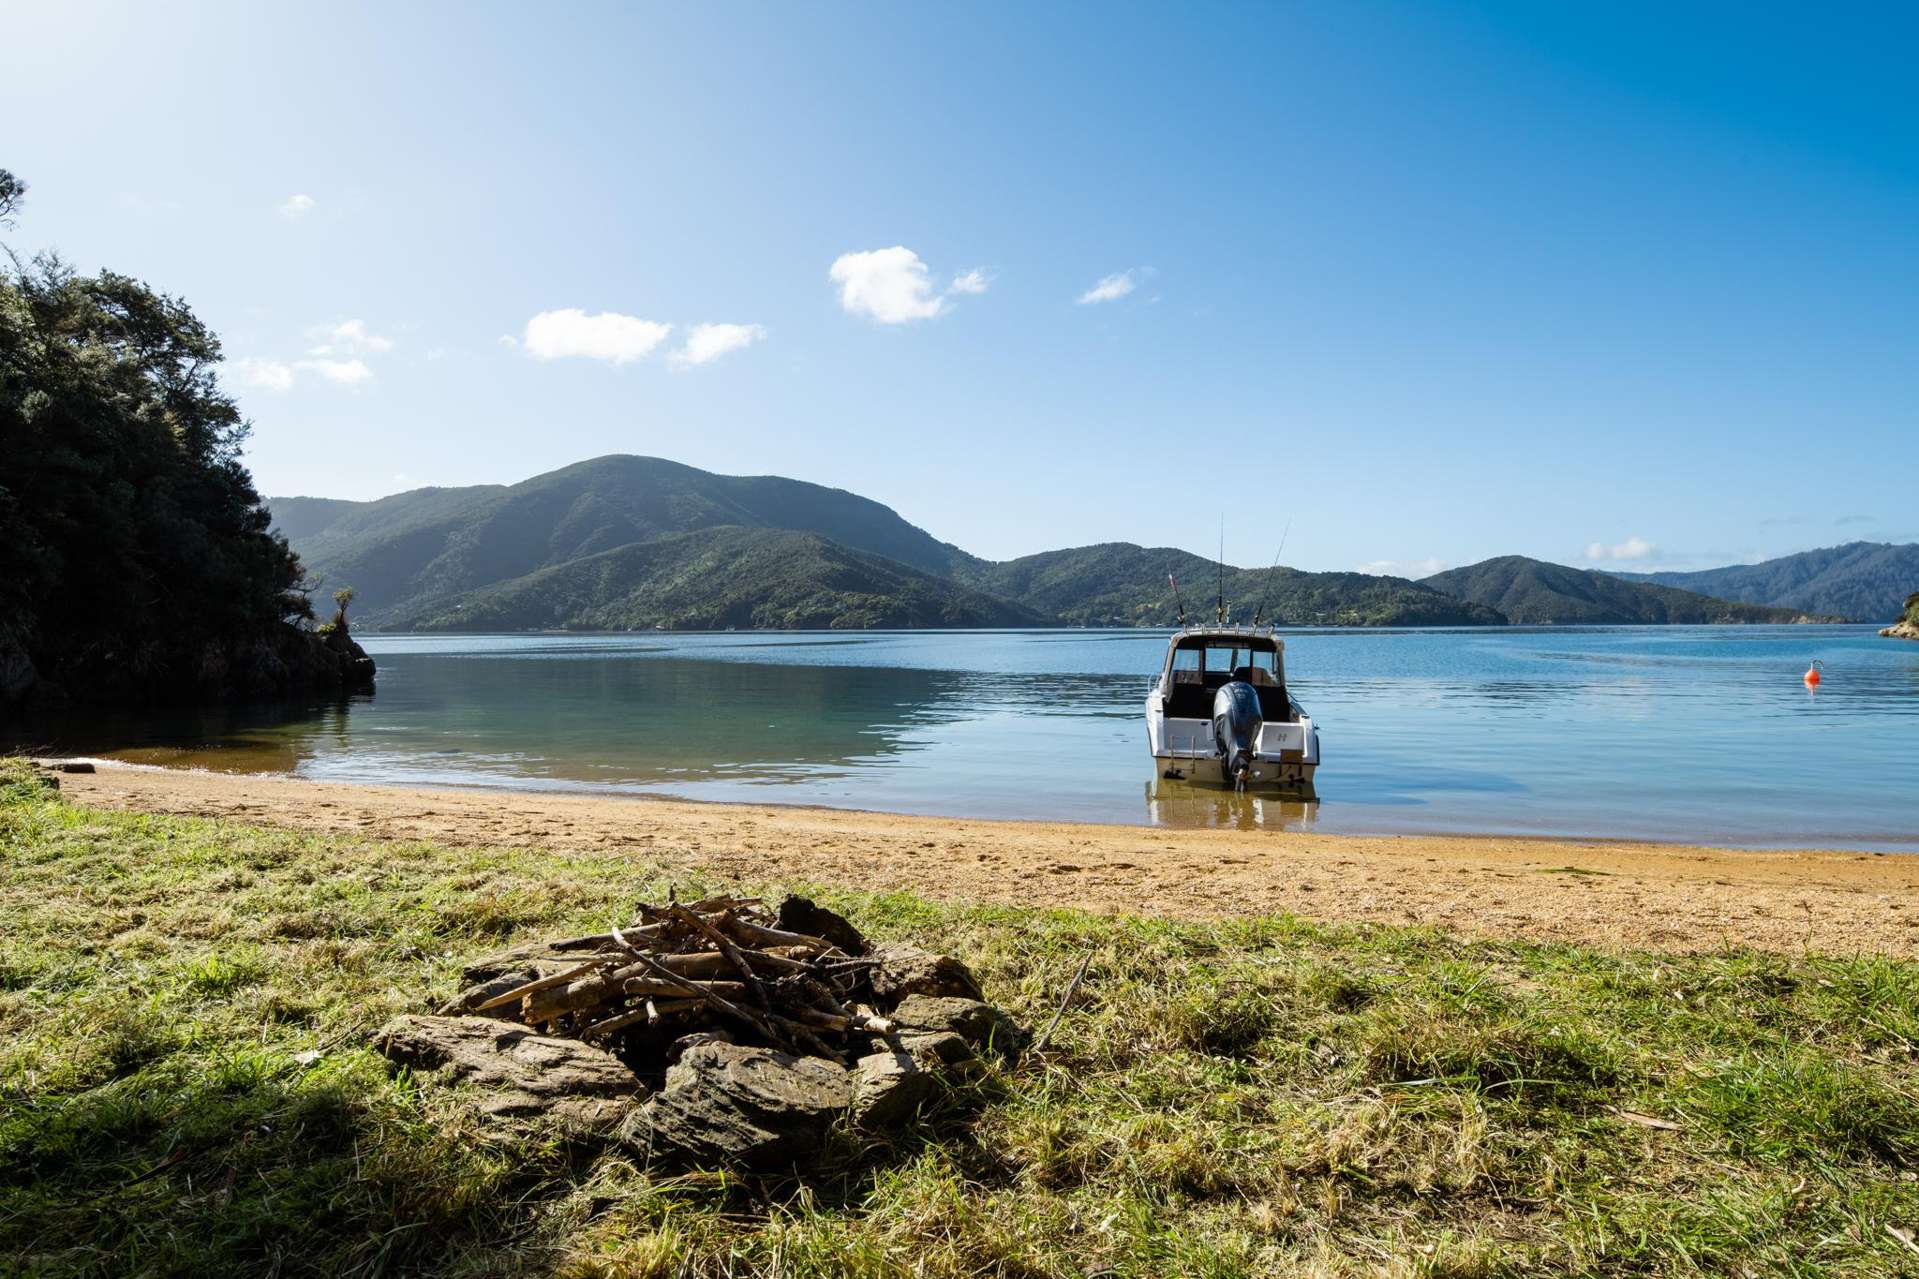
(890, 1087)
(905, 969)
(977, 1022)
(520, 1077)
(799, 915)
(940, 1047)
(470, 999)
(730, 1104)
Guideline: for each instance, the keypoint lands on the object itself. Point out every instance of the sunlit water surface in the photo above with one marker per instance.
(1692, 734)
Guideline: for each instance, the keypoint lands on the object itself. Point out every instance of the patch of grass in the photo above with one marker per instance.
(1249, 1098)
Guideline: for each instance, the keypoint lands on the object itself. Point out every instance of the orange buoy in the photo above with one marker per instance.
(1812, 674)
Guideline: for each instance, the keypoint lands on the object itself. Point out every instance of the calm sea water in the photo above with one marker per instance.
(1695, 733)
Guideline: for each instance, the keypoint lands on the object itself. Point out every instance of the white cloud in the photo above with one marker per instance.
(296, 207)
(507, 339)
(706, 343)
(343, 372)
(974, 281)
(1111, 289)
(610, 336)
(1633, 548)
(280, 375)
(264, 375)
(890, 286)
(1414, 569)
(348, 337)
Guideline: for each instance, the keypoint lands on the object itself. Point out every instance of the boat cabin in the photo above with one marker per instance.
(1198, 662)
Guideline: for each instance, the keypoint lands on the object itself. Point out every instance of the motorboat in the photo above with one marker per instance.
(1220, 712)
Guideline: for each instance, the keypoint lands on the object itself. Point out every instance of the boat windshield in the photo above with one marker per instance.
(1223, 657)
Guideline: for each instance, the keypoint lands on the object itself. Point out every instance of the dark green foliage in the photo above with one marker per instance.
(1865, 580)
(135, 557)
(136, 563)
(1535, 593)
(715, 578)
(1120, 584)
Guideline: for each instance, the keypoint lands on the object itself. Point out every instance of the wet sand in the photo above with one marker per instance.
(1663, 897)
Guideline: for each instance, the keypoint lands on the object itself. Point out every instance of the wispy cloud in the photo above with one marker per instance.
(296, 207)
(608, 336)
(1633, 548)
(887, 286)
(1111, 288)
(263, 375)
(1404, 568)
(1848, 521)
(348, 337)
(260, 374)
(706, 343)
(342, 372)
(975, 281)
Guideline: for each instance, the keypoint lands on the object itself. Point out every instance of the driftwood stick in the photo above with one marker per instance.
(719, 1002)
(757, 935)
(656, 986)
(649, 1014)
(542, 983)
(732, 954)
(1072, 988)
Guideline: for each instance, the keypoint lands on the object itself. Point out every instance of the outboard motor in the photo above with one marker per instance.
(1236, 724)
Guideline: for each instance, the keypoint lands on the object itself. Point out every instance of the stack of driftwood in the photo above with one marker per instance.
(725, 964)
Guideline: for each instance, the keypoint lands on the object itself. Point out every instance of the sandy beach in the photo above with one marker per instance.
(1666, 897)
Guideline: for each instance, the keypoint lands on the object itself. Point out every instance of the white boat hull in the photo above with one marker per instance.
(1184, 749)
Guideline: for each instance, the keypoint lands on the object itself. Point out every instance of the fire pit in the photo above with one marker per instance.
(717, 1032)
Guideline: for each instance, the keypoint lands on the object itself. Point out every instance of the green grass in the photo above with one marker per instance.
(1249, 1098)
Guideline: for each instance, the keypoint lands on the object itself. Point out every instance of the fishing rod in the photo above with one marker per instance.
(1177, 601)
(1266, 591)
(1219, 600)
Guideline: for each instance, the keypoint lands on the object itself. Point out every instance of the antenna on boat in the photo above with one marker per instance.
(1219, 600)
(1176, 599)
(1266, 591)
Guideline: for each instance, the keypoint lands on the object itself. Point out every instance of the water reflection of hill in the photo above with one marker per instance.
(584, 719)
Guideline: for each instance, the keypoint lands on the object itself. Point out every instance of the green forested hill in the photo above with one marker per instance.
(1533, 592)
(535, 554)
(716, 578)
(435, 542)
(1120, 584)
(1866, 580)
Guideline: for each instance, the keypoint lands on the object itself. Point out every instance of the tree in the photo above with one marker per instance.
(12, 192)
(135, 556)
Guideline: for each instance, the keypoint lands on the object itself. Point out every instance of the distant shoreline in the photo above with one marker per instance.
(1607, 893)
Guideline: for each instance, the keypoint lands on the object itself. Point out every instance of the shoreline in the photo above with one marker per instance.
(1616, 894)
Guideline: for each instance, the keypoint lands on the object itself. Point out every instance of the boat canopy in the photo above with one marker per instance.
(1200, 659)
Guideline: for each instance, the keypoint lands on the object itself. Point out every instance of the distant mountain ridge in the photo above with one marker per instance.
(1534, 592)
(1866, 580)
(625, 542)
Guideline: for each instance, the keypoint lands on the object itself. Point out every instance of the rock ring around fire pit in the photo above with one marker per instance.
(716, 1033)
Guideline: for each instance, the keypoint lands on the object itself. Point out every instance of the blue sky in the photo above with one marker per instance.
(1631, 286)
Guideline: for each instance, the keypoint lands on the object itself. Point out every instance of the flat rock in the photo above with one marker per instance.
(905, 969)
(889, 1088)
(520, 1077)
(973, 1020)
(800, 915)
(935, 1048)
(731, 1104)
